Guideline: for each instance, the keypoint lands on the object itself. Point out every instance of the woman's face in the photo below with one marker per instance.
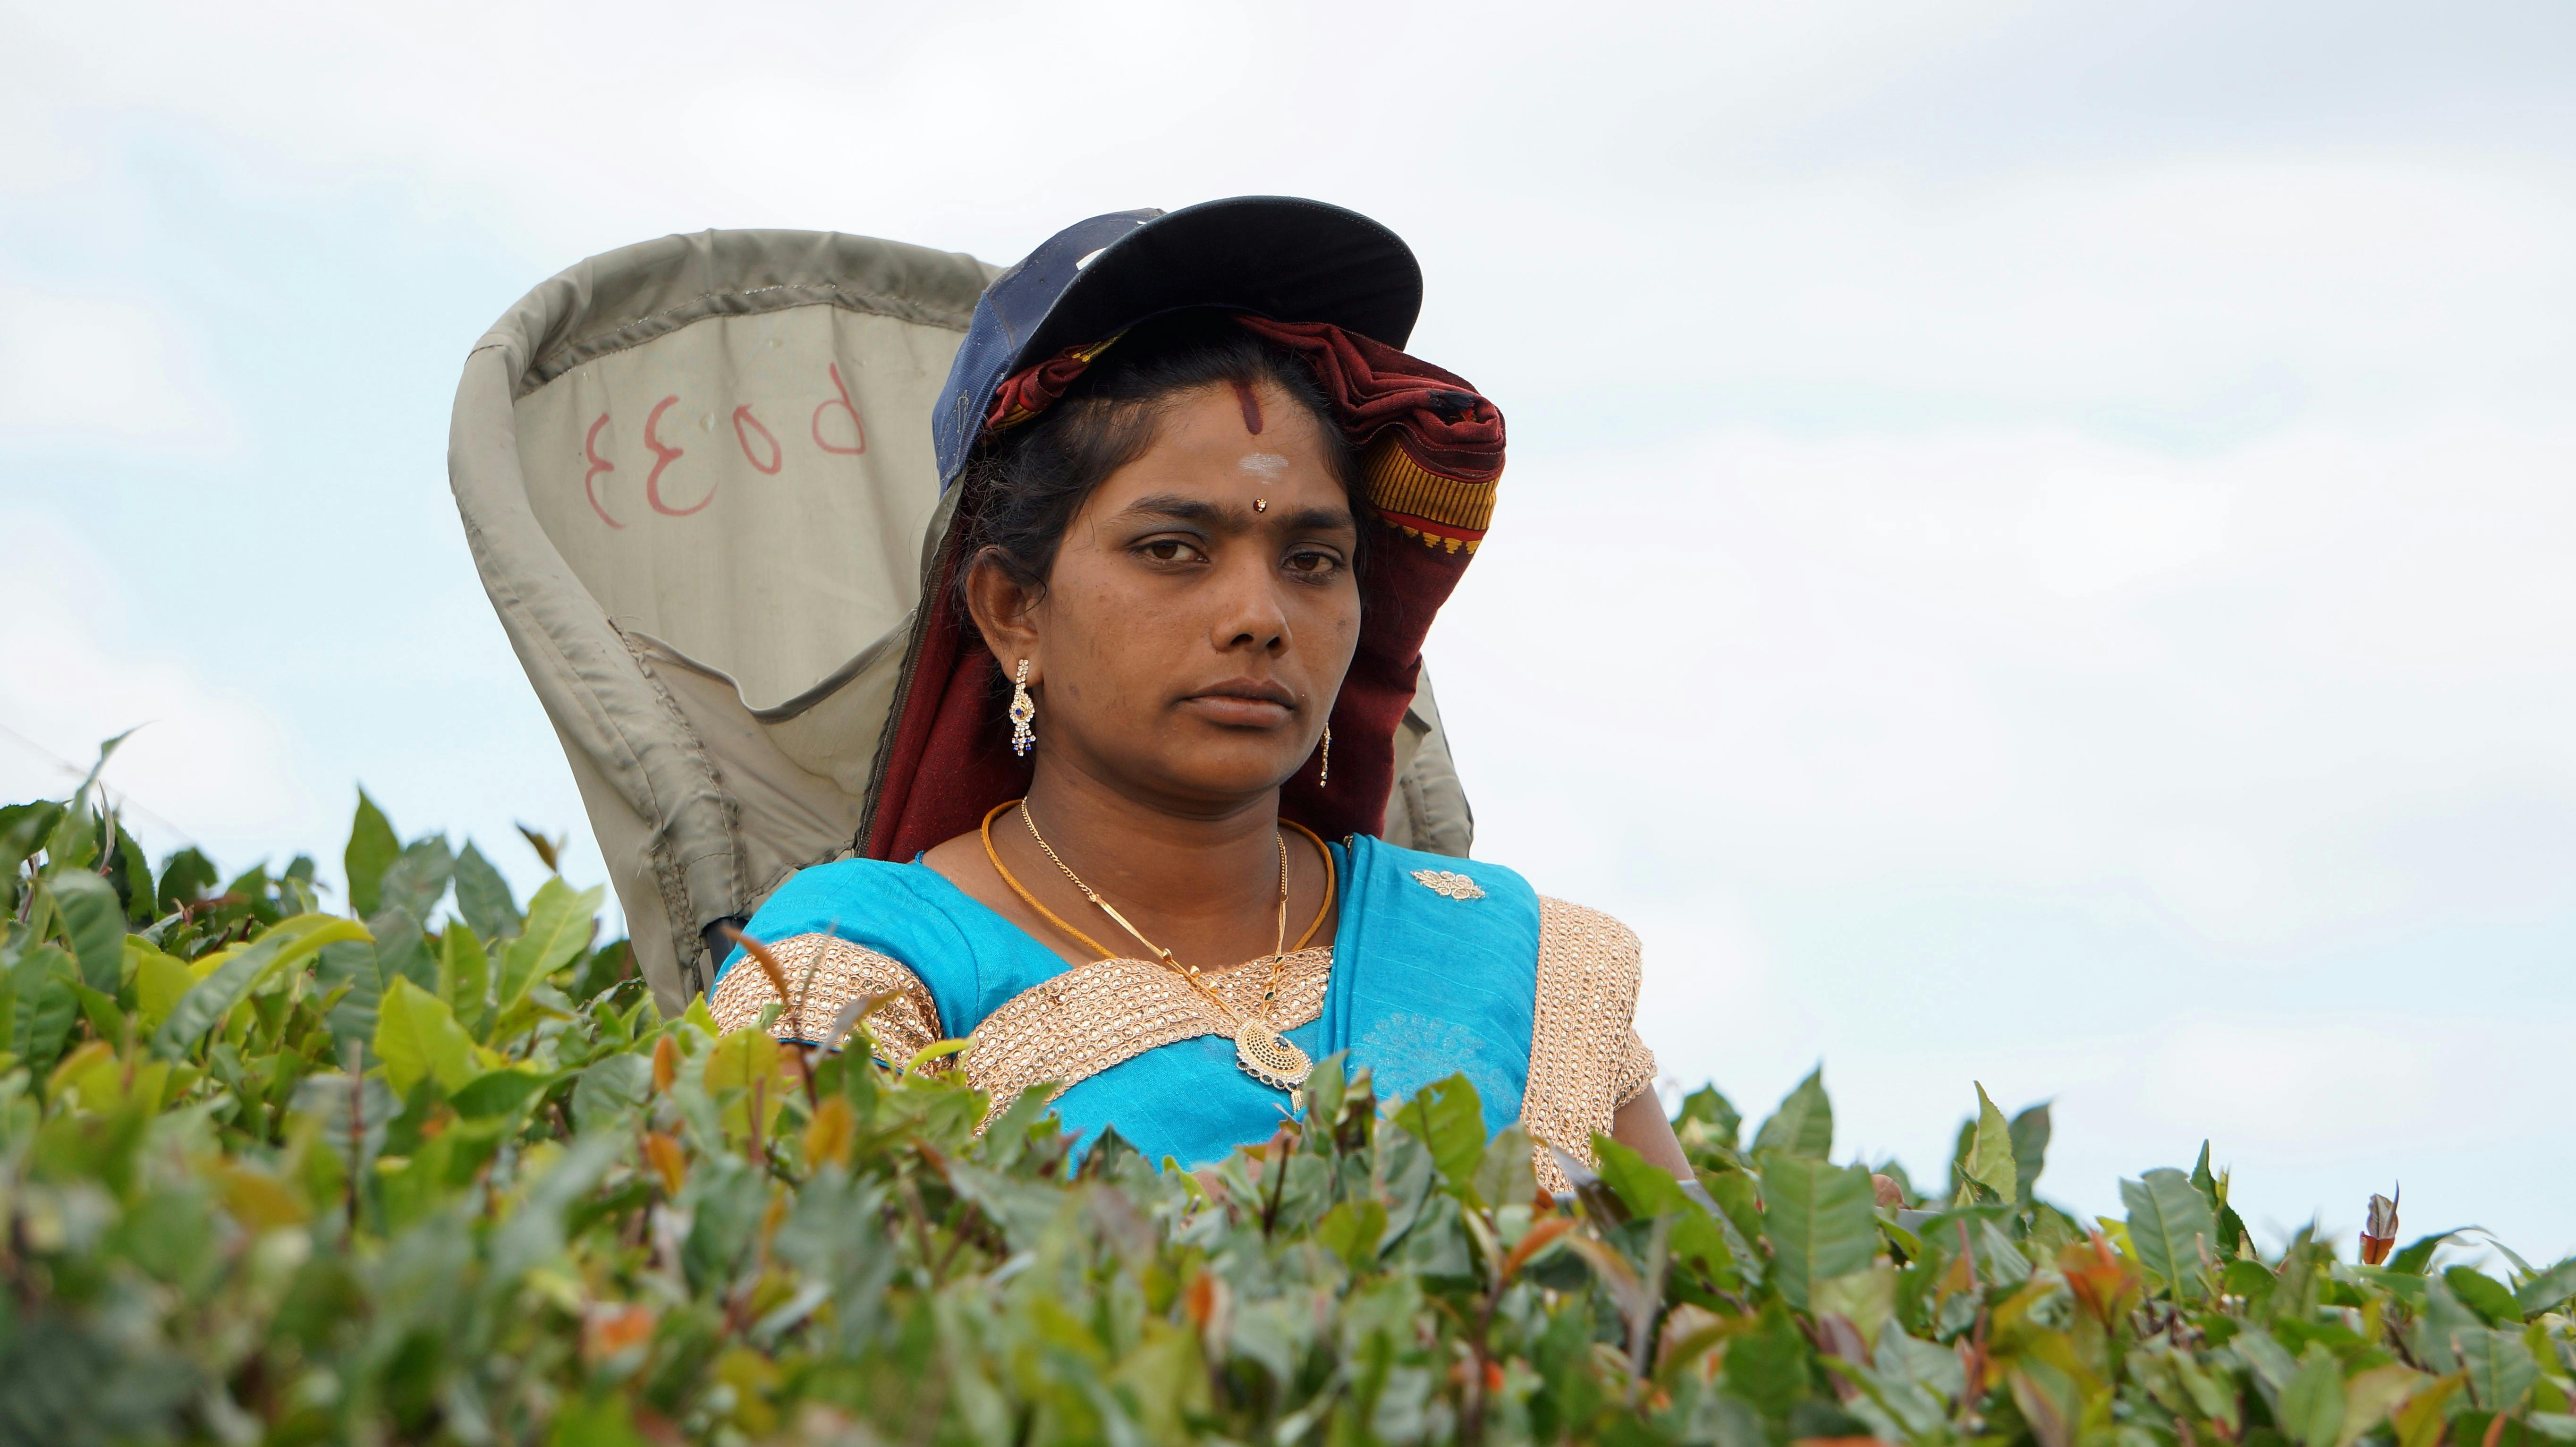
(1202, 610)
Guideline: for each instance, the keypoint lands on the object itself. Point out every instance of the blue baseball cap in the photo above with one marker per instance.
(1288, 259)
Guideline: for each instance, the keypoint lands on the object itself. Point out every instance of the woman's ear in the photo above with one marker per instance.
(1004, 609)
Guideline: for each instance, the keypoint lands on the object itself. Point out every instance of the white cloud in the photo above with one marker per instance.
(2086, 771)
(206, 764)
(87, 366)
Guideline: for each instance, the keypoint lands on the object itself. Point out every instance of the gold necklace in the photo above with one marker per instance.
(1259, 1048)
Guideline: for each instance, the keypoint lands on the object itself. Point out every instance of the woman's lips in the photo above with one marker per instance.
(1244, 705)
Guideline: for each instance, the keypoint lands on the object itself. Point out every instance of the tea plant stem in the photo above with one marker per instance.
(966, 1226)
(920, 1215)
(357, 1123)
(1278, 1185)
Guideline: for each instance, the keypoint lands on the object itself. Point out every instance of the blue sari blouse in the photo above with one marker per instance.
(1439, 967)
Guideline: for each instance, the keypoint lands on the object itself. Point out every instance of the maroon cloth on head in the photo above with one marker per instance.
(1032, 390)
(947, 759)
(1439, 417)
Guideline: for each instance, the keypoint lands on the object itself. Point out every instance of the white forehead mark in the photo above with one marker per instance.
(1263, 464)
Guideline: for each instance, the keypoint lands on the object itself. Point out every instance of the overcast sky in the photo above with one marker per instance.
(2037, 546)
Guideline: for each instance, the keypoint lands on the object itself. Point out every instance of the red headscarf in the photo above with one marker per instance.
(1431, 450)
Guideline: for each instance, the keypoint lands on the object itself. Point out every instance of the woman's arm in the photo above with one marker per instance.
(1641, 1127)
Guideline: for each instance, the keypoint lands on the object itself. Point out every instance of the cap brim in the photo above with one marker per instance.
(1286, 258)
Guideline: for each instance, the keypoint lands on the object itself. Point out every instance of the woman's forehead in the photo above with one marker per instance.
(1204, 446)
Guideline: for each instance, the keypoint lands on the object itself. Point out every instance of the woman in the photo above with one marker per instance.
(1204, 513)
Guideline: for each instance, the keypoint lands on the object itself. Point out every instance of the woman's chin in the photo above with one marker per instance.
(1220, 777)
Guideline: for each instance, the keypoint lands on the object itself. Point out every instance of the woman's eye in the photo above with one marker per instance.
(1170, 550)
(1313, 564)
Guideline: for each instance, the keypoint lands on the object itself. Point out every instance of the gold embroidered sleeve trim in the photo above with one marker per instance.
(1585, 1057)
(1636, 1073)
(1105, 1013)
(825, 972)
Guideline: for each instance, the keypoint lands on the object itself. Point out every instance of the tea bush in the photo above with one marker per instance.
(272, 1173)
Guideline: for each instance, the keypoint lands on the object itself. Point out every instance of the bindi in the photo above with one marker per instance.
(1251, 407)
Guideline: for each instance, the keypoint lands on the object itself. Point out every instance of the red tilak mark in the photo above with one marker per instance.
(598, 465)
(742, 418)
(842, 402)
(1251, 408)
(664, 454)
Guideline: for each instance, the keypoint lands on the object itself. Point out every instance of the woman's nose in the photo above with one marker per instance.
(1249, 612)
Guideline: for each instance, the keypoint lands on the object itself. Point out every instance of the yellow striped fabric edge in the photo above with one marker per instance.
(1398, 484)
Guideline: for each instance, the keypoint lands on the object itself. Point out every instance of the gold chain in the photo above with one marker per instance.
(1188, 973)
(1111, 910)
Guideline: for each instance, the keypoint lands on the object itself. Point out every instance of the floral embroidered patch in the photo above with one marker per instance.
(1443, 882)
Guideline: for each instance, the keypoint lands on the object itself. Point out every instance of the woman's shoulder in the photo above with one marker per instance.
(842, 931)
(1569, 928)
(1446, 875)
(1562, 924)
(825, 898)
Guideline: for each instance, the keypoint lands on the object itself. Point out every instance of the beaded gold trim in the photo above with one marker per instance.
(1586, 1059)
(1094, 1016)
(825, 972)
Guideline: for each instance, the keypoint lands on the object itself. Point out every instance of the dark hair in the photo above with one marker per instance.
(1025, 486)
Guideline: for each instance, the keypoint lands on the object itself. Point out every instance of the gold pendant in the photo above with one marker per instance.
(1268, 1057)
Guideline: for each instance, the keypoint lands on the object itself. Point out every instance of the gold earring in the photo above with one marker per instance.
(1324, 775)
(1023, 709)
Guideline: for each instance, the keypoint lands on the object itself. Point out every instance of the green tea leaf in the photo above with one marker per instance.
(2171, 1226)
(1706, 1105)
(417, 1036)
(558, 928)
(1803, 1126)
(185, 878)
(1771, 1365)
(1821, 1219)
(1989, 1161)
(1352, 1231)
(1866, 1298)
(132, 879)
(2501, 1369)
(499, 1092)
(348, 969)
(2312, 1400)
(2442, 1323)
(47, 1004)
(417, 879)
(483, 896)
(1648, 1191)
(1447, 1117)
(286, 943)
(464, 974)
(372, 849)
(603, 1421)
(2483, 1294)
(2546, 1288)
(2030, 1131)
(106, 1021)
(402, 950)
(611, 1088)
(94, 922)
(23, 830)
(2416, 1257)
